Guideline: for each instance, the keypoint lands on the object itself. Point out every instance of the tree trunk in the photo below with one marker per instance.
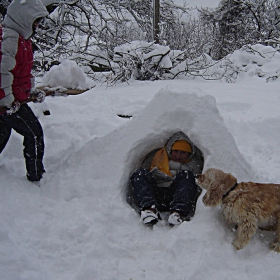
(156, 20)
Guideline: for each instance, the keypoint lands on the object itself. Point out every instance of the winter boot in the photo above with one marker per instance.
(150, 215)
(175, 218)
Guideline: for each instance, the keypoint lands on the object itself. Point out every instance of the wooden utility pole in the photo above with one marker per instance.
(156, 4)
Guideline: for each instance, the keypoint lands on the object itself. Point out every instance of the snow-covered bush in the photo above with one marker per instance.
(249, 61)
(141, 60)
(148, 61)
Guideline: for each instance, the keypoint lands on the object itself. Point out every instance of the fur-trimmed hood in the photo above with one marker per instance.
(179, 136)
(21, 15)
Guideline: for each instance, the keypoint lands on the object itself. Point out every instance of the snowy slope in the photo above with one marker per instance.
(77, 224)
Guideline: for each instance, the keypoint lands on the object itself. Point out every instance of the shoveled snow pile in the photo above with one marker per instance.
(68, 74)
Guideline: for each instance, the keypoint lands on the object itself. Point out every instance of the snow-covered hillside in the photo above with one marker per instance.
(78, 225)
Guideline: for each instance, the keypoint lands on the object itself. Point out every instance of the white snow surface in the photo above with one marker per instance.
(78, 225)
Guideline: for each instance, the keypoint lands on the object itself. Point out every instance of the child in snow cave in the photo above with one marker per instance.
(16, 60)
(166, 181)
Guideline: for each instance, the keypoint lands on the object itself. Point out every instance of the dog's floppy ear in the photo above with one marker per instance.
(218, 188)
(200, 179)
(214, 195)
(229, 181)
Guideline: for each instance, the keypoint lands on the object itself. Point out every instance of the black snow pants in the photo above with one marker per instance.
(26, 124)
(182, 195)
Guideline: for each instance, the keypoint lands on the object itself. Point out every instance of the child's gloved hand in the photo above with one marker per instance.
(13, 107)
(38, 95)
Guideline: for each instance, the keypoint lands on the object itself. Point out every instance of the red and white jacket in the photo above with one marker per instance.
(15, 79)
(16, 56)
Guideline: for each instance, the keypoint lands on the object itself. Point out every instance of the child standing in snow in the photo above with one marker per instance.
(166, 181)
(16, 60)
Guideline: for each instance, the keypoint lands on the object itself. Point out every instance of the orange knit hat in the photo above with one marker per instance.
(182, 145)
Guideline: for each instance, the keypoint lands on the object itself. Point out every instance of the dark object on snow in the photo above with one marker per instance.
(47, 113)
(125, 116)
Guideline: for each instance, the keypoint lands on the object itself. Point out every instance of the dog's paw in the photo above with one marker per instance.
(238, 244)
(275, 246)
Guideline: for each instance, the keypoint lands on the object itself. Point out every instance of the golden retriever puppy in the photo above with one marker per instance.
(247, 204)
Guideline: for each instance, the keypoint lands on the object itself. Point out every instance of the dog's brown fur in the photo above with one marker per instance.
(249, 206)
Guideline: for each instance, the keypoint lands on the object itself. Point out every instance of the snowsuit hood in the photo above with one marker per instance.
(161, 159)
(21, 15)
(179, 136)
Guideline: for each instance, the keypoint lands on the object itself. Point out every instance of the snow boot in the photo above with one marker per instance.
(175, 218)
(150, 216)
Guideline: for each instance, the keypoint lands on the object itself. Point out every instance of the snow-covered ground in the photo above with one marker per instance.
(78, 225)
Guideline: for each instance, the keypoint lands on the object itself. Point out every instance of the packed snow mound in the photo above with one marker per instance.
(117, 154)
(58, 76)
